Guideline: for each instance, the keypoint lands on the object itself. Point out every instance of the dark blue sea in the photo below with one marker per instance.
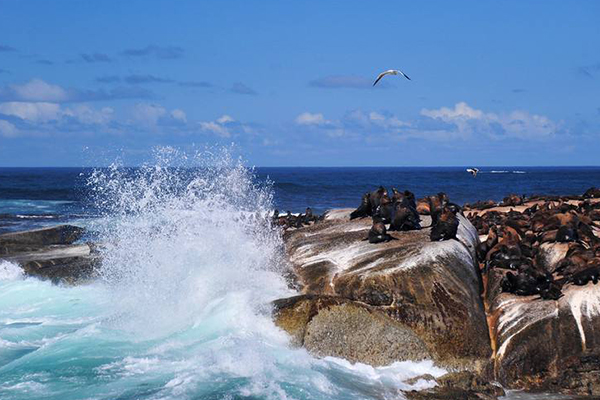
(31, 197)
(180, 310)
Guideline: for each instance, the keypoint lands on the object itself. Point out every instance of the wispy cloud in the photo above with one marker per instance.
(346, 82)
(5, 48)
(37, 90)
(159, 52)
(589, 71)
(193, 84)
(459, 122)
(95, 58)
(466, 121)
(225, 127)
(139, 79)
(518, 90)
(44, 62)
(108, 79)
(240, 88)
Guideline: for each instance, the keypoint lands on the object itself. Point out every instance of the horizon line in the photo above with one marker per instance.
(330, 166)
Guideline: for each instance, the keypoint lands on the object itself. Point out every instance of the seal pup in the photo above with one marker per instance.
(378, 232)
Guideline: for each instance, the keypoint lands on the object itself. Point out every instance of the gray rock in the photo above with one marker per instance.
(18, 242)
(49, 253)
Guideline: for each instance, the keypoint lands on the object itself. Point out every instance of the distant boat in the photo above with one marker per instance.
(473, 171)
(390, 72)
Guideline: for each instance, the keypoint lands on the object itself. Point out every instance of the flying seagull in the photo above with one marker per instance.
(390, 72)
(473, 171)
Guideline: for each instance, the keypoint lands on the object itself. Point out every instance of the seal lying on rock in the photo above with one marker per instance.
(295, 221)
(512, 200)
(378, 232)
(592, 193)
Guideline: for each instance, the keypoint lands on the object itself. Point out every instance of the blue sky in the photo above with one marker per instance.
(289, 82)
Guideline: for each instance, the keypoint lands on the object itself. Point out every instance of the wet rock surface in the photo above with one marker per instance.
(51, 253)
(459, 385)
(19, 242)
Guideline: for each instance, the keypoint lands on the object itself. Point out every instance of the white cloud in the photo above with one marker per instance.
(225, 119)
(7, 129)
(38, 90)
(468, 121)
(46, 112)
(461, 110)
(148, 114)
(179, 115)
(33, 112)
(373, 120)
(88, 115)
(225, 126)
(309, 119)
(216, 128)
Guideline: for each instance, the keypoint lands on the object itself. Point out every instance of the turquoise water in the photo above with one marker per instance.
(79, 343)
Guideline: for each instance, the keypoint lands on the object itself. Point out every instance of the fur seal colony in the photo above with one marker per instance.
(511, 233)
(515, 230)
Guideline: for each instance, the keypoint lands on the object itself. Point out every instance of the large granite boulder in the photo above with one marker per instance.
(409, 298)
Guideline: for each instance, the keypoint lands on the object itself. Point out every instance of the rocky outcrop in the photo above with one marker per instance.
(408, 298)
(19, 242)
(50, 253)
(546, 345)
(463, 385)
(334, 326)
(542, 343)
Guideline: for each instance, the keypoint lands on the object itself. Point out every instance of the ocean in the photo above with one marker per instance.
(32, 197)
(181, 309)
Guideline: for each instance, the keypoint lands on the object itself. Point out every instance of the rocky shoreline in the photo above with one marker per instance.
(508, 295)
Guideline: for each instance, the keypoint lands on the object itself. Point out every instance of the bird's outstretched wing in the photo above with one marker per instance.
(404, 75)
(381, 75)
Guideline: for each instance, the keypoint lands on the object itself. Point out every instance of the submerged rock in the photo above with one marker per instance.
(408, 298)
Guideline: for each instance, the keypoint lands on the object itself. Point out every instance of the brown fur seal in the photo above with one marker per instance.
(386, 209)
(446, 226)
(378, 233)
(406, 217)
(364, 209)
